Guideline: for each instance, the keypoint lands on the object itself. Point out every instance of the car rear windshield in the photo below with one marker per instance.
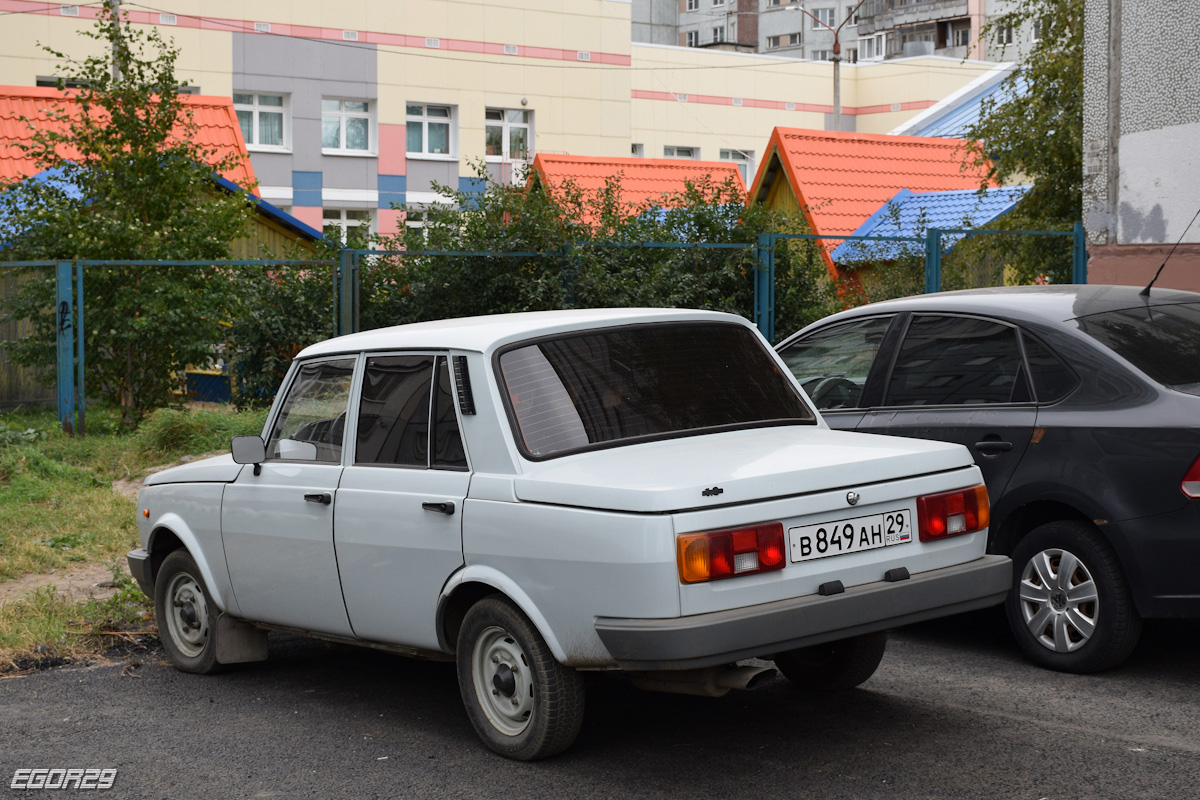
(1161, 341)
(598, 388)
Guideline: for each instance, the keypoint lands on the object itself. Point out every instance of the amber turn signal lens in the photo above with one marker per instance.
(726, 554)
(146, 513)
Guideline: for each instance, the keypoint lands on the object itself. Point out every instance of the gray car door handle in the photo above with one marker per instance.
(993, 446)
(441, 508)
(324, 498)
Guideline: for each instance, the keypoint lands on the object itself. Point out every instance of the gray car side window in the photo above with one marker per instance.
(312, 421)
(949, 360)
(393, 414)
(832, 364)
(1052, 379)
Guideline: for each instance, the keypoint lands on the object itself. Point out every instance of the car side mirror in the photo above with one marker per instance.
(249, 450)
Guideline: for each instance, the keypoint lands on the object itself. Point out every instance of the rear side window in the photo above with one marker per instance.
(1161, 341)
(591, 389)
(1052, 379)
(832, 364)
(956, 361)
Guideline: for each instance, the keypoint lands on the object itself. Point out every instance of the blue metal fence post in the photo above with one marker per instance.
(80, 330)
(933, 261)
(344, 283)
(764, 286)
(1080, 253)
(64, 324)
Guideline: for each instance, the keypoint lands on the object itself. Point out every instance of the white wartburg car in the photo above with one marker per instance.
(537, 495)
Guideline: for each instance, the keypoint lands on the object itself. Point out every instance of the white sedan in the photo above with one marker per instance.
(535, 495)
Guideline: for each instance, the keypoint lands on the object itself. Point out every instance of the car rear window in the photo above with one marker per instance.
(1161, 341)
(603, 387)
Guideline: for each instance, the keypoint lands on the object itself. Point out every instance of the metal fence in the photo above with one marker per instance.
(129, 331)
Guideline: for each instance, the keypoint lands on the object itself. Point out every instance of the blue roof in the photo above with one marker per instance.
(913, 213)
(953, 117)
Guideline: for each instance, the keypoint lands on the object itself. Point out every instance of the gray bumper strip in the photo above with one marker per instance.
(760, 631)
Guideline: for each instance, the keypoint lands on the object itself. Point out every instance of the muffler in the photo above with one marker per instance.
(707, 682)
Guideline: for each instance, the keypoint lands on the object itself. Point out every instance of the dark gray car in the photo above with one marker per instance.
(1081, 405)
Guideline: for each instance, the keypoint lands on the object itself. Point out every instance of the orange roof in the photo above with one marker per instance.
(642, 179)
(216, 129)
(840, 179)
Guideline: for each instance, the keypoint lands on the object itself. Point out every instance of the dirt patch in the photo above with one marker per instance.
(78, 583)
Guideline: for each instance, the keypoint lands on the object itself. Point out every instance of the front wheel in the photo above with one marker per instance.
(520, 700)
(1070, 608)
(186, 614)
(834, 666)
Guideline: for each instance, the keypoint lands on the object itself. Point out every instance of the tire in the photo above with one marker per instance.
(523, 704)
(186, 614)
(834, 666)
(1070, 608)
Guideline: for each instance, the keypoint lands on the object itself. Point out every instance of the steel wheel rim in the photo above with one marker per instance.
(1060, 602)
(187, 614)
(503, 680)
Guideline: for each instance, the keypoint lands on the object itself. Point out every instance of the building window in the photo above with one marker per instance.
(693, 5)
(824, 15)
(851, 55)
(693, 38)
(346, 126)
(429, 130)
(822, 55)
(718, 2)
(1005, 35)
(637, 150)
(793, 39)
(671, 151)
(718, 35)
(744, 159)
(506, 133)
(772, 42)
(337, 222)
(263, 119)
(774, 2)
(1036, 35)
(962, 37)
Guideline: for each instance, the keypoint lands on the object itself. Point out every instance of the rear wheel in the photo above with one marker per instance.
(186, 615)
(520, 700)
(834, 666)
(1070, 608)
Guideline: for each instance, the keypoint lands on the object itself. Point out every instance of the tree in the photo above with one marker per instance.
(133, 185)
(1034, 129)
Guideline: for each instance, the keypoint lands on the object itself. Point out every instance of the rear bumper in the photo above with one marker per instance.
(761, 631)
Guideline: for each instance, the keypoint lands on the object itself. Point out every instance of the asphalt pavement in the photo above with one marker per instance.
(953, 712)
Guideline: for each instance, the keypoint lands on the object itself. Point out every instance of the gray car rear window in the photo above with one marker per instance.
(587, 390)
(1161, 341)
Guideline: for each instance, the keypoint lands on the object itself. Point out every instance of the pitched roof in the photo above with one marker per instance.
(954, 115)
(842, 178)
(642, 179)
(912, 213)
(216, 128)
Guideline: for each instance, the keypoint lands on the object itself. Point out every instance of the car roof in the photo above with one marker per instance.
(1055, 303)
(486, 334)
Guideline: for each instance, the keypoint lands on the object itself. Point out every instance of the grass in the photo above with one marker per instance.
(58, 509)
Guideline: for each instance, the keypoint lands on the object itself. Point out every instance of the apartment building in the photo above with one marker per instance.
(951, 28)
(353, 111)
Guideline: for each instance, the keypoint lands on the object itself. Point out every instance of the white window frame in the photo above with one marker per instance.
(255, 108)
(826, 15)
(718, 2)
(955, 33)
(343, 222)
(692, 5)
(672, 151)
(424, 119)
(344, 114)
(692, 38)
(793, 39)
(1035, 32)
(718, 34)
(772, 42)
(1006, 35)
(821, 55)
(505, 126)
(744, 159)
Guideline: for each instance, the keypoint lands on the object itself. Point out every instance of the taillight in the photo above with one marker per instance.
(725, 554)
(1191, 481)
(940, 516)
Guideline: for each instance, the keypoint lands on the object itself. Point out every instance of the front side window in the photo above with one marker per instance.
(507, 133)
(262, 118)
(956, 361)
(312, 421)
(1161, 341)
(649, 381)
(832, 364)
(428, 129)
(346, 125)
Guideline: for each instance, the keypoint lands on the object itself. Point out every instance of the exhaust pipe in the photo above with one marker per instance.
(708, 682)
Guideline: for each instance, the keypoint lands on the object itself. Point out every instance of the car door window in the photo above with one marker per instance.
(447, 447)
(312, 420)
(946, 360)
(832, 364)
(393, 414)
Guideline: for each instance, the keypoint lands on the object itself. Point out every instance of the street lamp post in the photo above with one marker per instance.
(836, 59)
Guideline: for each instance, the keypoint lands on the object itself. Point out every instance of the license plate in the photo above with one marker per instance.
(850, 535)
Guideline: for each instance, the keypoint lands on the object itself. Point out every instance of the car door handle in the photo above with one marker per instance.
(993, 446)
(441, 508)
(324, 498)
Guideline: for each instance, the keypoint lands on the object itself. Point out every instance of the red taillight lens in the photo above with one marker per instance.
(940, 516)
(1191, 482)
(725, 554)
